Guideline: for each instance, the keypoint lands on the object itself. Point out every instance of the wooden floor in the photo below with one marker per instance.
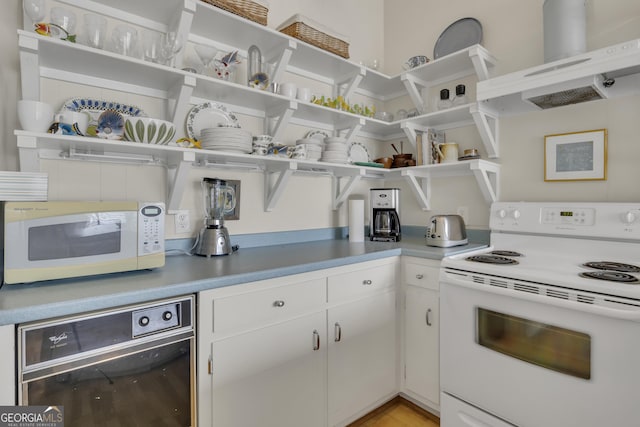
(398, 413)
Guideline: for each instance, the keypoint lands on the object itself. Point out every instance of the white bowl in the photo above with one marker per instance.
(148, 130)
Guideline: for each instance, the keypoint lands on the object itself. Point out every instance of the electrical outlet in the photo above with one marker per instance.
(182, 222)
(463, 211)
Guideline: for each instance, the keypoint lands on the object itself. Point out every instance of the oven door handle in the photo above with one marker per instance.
(631, 313)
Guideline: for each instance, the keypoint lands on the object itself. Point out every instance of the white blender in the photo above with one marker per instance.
(219, 198)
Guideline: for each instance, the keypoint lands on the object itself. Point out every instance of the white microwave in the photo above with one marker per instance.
(54, 240)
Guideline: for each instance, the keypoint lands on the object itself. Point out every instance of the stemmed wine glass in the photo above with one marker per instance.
(34, 9)
(206, 55)
(172, 42)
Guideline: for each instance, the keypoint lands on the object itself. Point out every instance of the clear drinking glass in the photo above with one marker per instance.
(95, 30)
(172, 42)
(64, 18)
(152, 46)
(125, 39)
(34, 9)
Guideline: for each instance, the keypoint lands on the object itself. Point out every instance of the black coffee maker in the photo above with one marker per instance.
(384, 218)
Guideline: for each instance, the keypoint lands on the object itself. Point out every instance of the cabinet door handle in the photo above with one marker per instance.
(367, 282)
(278, 303)
(428, 317)
(316, 340)
(419, 276)
(337, 333)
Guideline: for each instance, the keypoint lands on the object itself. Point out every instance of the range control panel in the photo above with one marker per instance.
(591, 220)
(568, 216)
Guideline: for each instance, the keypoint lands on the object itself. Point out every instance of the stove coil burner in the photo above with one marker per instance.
(492, 259)
(612, 276)
(613, 266)
(506, 253)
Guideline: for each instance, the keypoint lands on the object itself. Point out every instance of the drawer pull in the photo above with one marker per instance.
(419, 276)
(428, 317)
(337, 333)
(316, 340)
(367, 282)
(278, 303)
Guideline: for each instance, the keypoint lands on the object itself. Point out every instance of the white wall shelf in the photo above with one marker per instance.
(35, 146)
(46, 57)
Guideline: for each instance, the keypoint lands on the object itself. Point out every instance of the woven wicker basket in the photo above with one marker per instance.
(308, 34)
(245, 8)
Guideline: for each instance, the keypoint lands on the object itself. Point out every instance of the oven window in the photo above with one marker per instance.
(149, 388)
(559, 349)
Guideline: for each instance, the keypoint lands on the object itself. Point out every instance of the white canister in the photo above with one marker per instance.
(288, 89)
(565, 28)
(356, 220)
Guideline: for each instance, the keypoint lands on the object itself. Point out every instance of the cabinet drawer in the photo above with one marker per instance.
(361, 282)
(422, 275)
(259, 308)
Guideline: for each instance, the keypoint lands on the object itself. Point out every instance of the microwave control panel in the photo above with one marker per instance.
(151, 228)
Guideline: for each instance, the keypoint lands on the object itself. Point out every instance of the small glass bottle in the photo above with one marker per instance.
(444, 102)
(461, 97)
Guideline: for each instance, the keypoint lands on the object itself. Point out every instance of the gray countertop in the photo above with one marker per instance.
(184, 274)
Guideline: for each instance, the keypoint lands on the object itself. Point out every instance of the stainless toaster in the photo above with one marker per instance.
(446, 230)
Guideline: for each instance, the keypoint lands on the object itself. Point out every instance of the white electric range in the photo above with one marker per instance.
(549, 335)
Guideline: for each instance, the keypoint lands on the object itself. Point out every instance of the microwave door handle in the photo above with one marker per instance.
(631, 313)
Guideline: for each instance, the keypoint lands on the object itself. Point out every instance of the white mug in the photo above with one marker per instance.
(288, 89)
(78, 118)
(304, 94)
(35, 116)
(448, 152)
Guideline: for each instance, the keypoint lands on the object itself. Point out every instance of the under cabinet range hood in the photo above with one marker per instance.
(599, 74)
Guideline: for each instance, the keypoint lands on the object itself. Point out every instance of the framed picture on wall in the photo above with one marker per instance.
(577, 156)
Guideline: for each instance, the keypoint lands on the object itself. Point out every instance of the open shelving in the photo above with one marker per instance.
(45, 57)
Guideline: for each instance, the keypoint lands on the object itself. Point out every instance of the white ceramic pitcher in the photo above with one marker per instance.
(448, 152)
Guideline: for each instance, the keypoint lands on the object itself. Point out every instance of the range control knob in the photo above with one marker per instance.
(143, 321)
(167, 315)
(515, 214)
(502, 213)
(629, 217)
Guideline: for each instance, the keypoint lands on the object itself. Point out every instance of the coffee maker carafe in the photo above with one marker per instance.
(384, 218)
(219, 198)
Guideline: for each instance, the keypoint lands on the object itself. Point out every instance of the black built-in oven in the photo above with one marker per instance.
(131, 366)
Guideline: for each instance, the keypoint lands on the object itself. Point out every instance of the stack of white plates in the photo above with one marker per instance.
(335, 150)
(313, 147)
(231, 139)
(23, 186)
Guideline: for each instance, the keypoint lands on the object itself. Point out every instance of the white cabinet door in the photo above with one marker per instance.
(271, 377)
(421, 343)
(8, 366)
(362, 357)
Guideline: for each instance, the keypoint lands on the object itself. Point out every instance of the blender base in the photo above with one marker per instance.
(213, 242)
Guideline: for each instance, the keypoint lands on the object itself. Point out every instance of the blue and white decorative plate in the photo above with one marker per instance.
(88, 104)
(95, 108)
